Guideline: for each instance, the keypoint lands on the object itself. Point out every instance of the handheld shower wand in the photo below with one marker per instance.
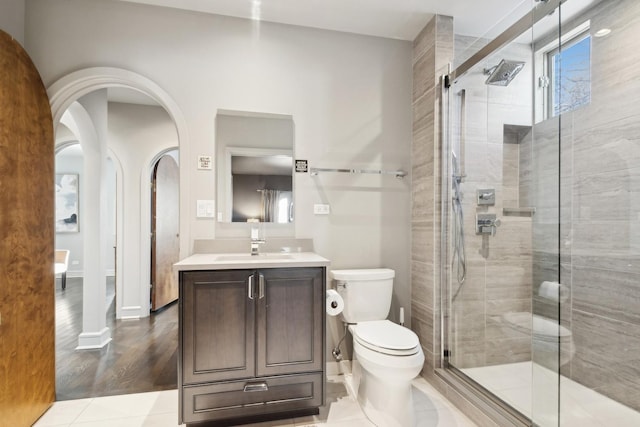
(458, 262)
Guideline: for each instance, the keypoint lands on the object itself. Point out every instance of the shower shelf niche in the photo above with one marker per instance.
(523, 212)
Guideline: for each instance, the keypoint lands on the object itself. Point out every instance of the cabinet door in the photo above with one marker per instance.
(218, 326)
(290, 321)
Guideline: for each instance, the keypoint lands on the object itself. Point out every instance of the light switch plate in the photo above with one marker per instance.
(205, 209)
(319, 209)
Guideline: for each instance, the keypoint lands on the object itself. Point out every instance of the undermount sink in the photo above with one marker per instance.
(249, 257)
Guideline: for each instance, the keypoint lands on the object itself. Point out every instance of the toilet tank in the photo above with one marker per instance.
(366, 293)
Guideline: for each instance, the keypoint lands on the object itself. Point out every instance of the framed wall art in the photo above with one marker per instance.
(67, 192)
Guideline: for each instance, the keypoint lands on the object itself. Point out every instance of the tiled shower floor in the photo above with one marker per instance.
(579, 405)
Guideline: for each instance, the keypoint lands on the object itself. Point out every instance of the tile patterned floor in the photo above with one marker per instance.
(581, 407)
(160, 409)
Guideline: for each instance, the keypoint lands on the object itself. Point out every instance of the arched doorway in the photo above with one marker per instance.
(62, 94)
(134, 301)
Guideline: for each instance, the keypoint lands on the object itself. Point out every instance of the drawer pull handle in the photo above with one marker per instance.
(248, 388)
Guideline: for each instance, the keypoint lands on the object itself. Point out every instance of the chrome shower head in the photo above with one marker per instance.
(503, 73)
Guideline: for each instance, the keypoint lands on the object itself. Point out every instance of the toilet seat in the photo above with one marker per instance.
(386, 337)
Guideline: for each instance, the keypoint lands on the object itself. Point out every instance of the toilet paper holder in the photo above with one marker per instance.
(334, 303)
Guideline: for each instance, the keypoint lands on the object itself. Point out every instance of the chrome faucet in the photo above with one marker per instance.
(256, 241)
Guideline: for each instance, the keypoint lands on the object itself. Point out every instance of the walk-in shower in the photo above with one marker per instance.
(541, 316)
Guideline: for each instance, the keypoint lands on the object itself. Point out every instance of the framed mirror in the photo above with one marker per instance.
(254, 165)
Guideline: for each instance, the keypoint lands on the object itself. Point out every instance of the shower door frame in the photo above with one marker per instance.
(478, 395)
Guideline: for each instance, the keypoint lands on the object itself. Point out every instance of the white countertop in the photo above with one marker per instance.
(237, 261)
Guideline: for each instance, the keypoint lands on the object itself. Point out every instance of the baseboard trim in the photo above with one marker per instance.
(130, 313)
(94, 340)
(339, 368)
(80, 273)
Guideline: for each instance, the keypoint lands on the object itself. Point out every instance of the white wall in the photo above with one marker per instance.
(349, 96)
(12, 17)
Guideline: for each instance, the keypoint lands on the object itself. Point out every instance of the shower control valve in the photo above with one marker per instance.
(487, 224)
(486, 197)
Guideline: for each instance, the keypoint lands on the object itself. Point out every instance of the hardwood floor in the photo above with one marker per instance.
(141, 357)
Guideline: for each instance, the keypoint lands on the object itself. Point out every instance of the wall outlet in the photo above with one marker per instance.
(75, 262)
(321, 209)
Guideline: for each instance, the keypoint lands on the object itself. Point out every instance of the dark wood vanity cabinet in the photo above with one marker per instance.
(251, 342)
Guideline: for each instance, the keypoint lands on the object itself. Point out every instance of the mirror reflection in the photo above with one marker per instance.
(254, 165)
(261, 188)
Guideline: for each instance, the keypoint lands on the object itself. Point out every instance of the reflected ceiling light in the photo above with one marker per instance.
(603, 32)
(255, 9)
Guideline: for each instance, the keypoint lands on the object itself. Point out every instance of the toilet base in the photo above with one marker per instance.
(386, 404)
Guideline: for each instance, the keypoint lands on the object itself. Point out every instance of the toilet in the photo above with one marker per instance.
(386, 356)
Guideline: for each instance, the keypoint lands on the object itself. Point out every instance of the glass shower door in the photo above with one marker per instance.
(491, 221)
(542, 225)
(503, 232)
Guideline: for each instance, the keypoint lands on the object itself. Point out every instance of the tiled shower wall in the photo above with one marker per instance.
(498, 281)
(599, 236)
(491, 160)
(432, 52)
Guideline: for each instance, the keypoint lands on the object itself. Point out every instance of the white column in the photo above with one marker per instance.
(93, 187)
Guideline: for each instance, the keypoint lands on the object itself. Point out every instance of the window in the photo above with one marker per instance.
(568, 80)
(563, 68)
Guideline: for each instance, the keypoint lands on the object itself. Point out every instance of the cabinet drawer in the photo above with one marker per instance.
(251, 397)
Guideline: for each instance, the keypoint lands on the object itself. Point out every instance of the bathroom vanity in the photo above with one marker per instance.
(251, 336)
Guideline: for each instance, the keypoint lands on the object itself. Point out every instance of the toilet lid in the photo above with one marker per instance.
(387, 337)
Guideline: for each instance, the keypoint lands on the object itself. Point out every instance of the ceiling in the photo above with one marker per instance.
(396, 19)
